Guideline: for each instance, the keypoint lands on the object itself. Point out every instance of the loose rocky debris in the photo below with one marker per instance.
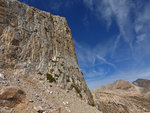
(35, 96)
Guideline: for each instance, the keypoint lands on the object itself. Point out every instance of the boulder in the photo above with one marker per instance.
(11, 96)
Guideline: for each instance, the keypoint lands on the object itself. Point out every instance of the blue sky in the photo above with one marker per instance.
(111, 37)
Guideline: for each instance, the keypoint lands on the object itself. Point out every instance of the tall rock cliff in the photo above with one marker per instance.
(34, 42)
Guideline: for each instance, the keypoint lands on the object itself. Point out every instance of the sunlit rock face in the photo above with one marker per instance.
(34, 41)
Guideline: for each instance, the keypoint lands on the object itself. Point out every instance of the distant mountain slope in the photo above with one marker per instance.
(119, 84)
(143, 85)
(123, 97)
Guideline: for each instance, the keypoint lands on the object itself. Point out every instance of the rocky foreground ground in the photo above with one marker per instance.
(38, 95)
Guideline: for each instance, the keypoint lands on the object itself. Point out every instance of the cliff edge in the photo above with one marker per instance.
(38, 45)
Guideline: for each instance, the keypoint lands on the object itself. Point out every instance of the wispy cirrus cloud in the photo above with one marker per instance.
(117, 10)
(130, 49)
(128, 14)
(129, 76)
(92, 59)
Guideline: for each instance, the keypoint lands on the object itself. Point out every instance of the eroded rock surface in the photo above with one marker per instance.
(35, 42)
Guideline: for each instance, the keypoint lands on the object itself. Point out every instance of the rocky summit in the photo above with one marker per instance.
(39, 71)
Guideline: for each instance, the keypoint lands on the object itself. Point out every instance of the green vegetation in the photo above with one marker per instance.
(93, 105)
(68, 80)
(50, 78)
(60, 71)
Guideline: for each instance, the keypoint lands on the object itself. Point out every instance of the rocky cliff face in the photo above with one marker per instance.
(122, 97)
(34, 42)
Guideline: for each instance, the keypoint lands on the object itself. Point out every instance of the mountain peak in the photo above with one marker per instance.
(118, 84)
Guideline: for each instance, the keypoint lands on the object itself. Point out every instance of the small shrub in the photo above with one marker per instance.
(50, 78)
(93, 105)
(60, 71)
(68, 80)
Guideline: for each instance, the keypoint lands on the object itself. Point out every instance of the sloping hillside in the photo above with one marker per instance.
(122, 97)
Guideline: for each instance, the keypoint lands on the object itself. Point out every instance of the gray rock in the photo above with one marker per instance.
(34, 41)
(2, 76)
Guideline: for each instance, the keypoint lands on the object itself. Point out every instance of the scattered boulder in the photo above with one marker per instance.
(11, 96)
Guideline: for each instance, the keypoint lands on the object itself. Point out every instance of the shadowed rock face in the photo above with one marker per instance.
(34, 41)
(123, 97)
(143, 85)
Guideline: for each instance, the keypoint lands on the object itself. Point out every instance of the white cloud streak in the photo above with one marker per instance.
(91, 60)
(133, 20)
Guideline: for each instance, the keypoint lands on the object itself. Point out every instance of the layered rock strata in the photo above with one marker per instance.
(36, 42)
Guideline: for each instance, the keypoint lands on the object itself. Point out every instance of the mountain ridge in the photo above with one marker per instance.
(123, 96)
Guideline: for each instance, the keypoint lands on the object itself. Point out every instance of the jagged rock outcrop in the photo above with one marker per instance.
(122, 97)
(34, 42)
